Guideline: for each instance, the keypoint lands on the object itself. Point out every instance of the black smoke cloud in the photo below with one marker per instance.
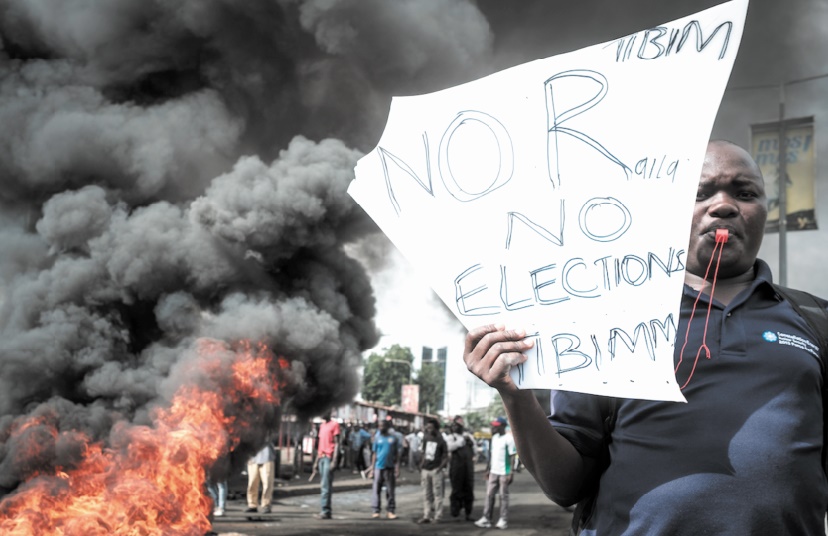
(173, 171)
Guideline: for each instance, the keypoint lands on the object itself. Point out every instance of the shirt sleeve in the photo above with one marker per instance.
(578, 417)
(454, 442)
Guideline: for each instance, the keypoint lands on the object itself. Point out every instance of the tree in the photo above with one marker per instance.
(385, 374)
(431, 380)
(477, 420)
(495, 409)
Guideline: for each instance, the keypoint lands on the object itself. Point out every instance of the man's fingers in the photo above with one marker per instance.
(492, 350)
(500, 358)
(511, 359)
(508, 343)
(475, 335)
(502, 363)
(480, 341)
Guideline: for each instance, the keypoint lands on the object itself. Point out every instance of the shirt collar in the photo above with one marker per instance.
(762, 275)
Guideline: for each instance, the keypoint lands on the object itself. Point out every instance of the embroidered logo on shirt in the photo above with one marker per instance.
(792, 340)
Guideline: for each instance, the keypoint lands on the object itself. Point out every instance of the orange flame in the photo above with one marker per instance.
(149, 480)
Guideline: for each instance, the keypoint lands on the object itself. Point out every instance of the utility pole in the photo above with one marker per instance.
(782, 183)
(404, 362)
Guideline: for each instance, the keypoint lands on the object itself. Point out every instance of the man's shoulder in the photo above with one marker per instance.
(510, 441)
(763, 274)
(812, 308)
(505, 439)
(801, 297)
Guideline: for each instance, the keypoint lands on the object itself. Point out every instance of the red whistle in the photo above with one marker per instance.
(721, 235)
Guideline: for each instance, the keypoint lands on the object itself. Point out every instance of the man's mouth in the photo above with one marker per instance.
(711, 231)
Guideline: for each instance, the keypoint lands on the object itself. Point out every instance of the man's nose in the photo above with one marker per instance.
(722, 205)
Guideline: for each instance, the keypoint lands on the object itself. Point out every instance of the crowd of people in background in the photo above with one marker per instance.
(438, 453)
(443, 454)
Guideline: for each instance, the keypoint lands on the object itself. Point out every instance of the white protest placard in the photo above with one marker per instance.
(557, 196)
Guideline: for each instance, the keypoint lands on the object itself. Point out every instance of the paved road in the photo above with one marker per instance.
(530, 513)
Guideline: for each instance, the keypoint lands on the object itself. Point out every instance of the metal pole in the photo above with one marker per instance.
(782, 183)
(410, 366)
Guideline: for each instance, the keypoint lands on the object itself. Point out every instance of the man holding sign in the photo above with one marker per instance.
(534, 186)
(687, 388)
(744, 454)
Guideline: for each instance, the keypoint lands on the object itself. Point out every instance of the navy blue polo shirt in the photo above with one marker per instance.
(742, 456)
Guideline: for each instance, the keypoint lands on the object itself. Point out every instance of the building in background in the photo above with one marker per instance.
(463, 392)
(431, 357)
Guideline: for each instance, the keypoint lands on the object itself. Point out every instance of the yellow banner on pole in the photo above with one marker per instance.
(801, 171)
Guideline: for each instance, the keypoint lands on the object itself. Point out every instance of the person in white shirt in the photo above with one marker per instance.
(414, 438)
(499, 474)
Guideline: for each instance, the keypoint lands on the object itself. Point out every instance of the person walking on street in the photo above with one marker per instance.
(432, 472)
(414, 438)
(217, 489)
(359, 443)
(385, 468)
(402, 448)
(261, 469)
(499, 475)
(217, 484)
(461, 469)
(345, 459)
(327, 462)
(359, 439)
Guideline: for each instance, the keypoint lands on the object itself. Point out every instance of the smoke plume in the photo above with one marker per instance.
(175, 171)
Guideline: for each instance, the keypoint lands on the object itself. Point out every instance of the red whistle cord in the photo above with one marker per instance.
(721, 238)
